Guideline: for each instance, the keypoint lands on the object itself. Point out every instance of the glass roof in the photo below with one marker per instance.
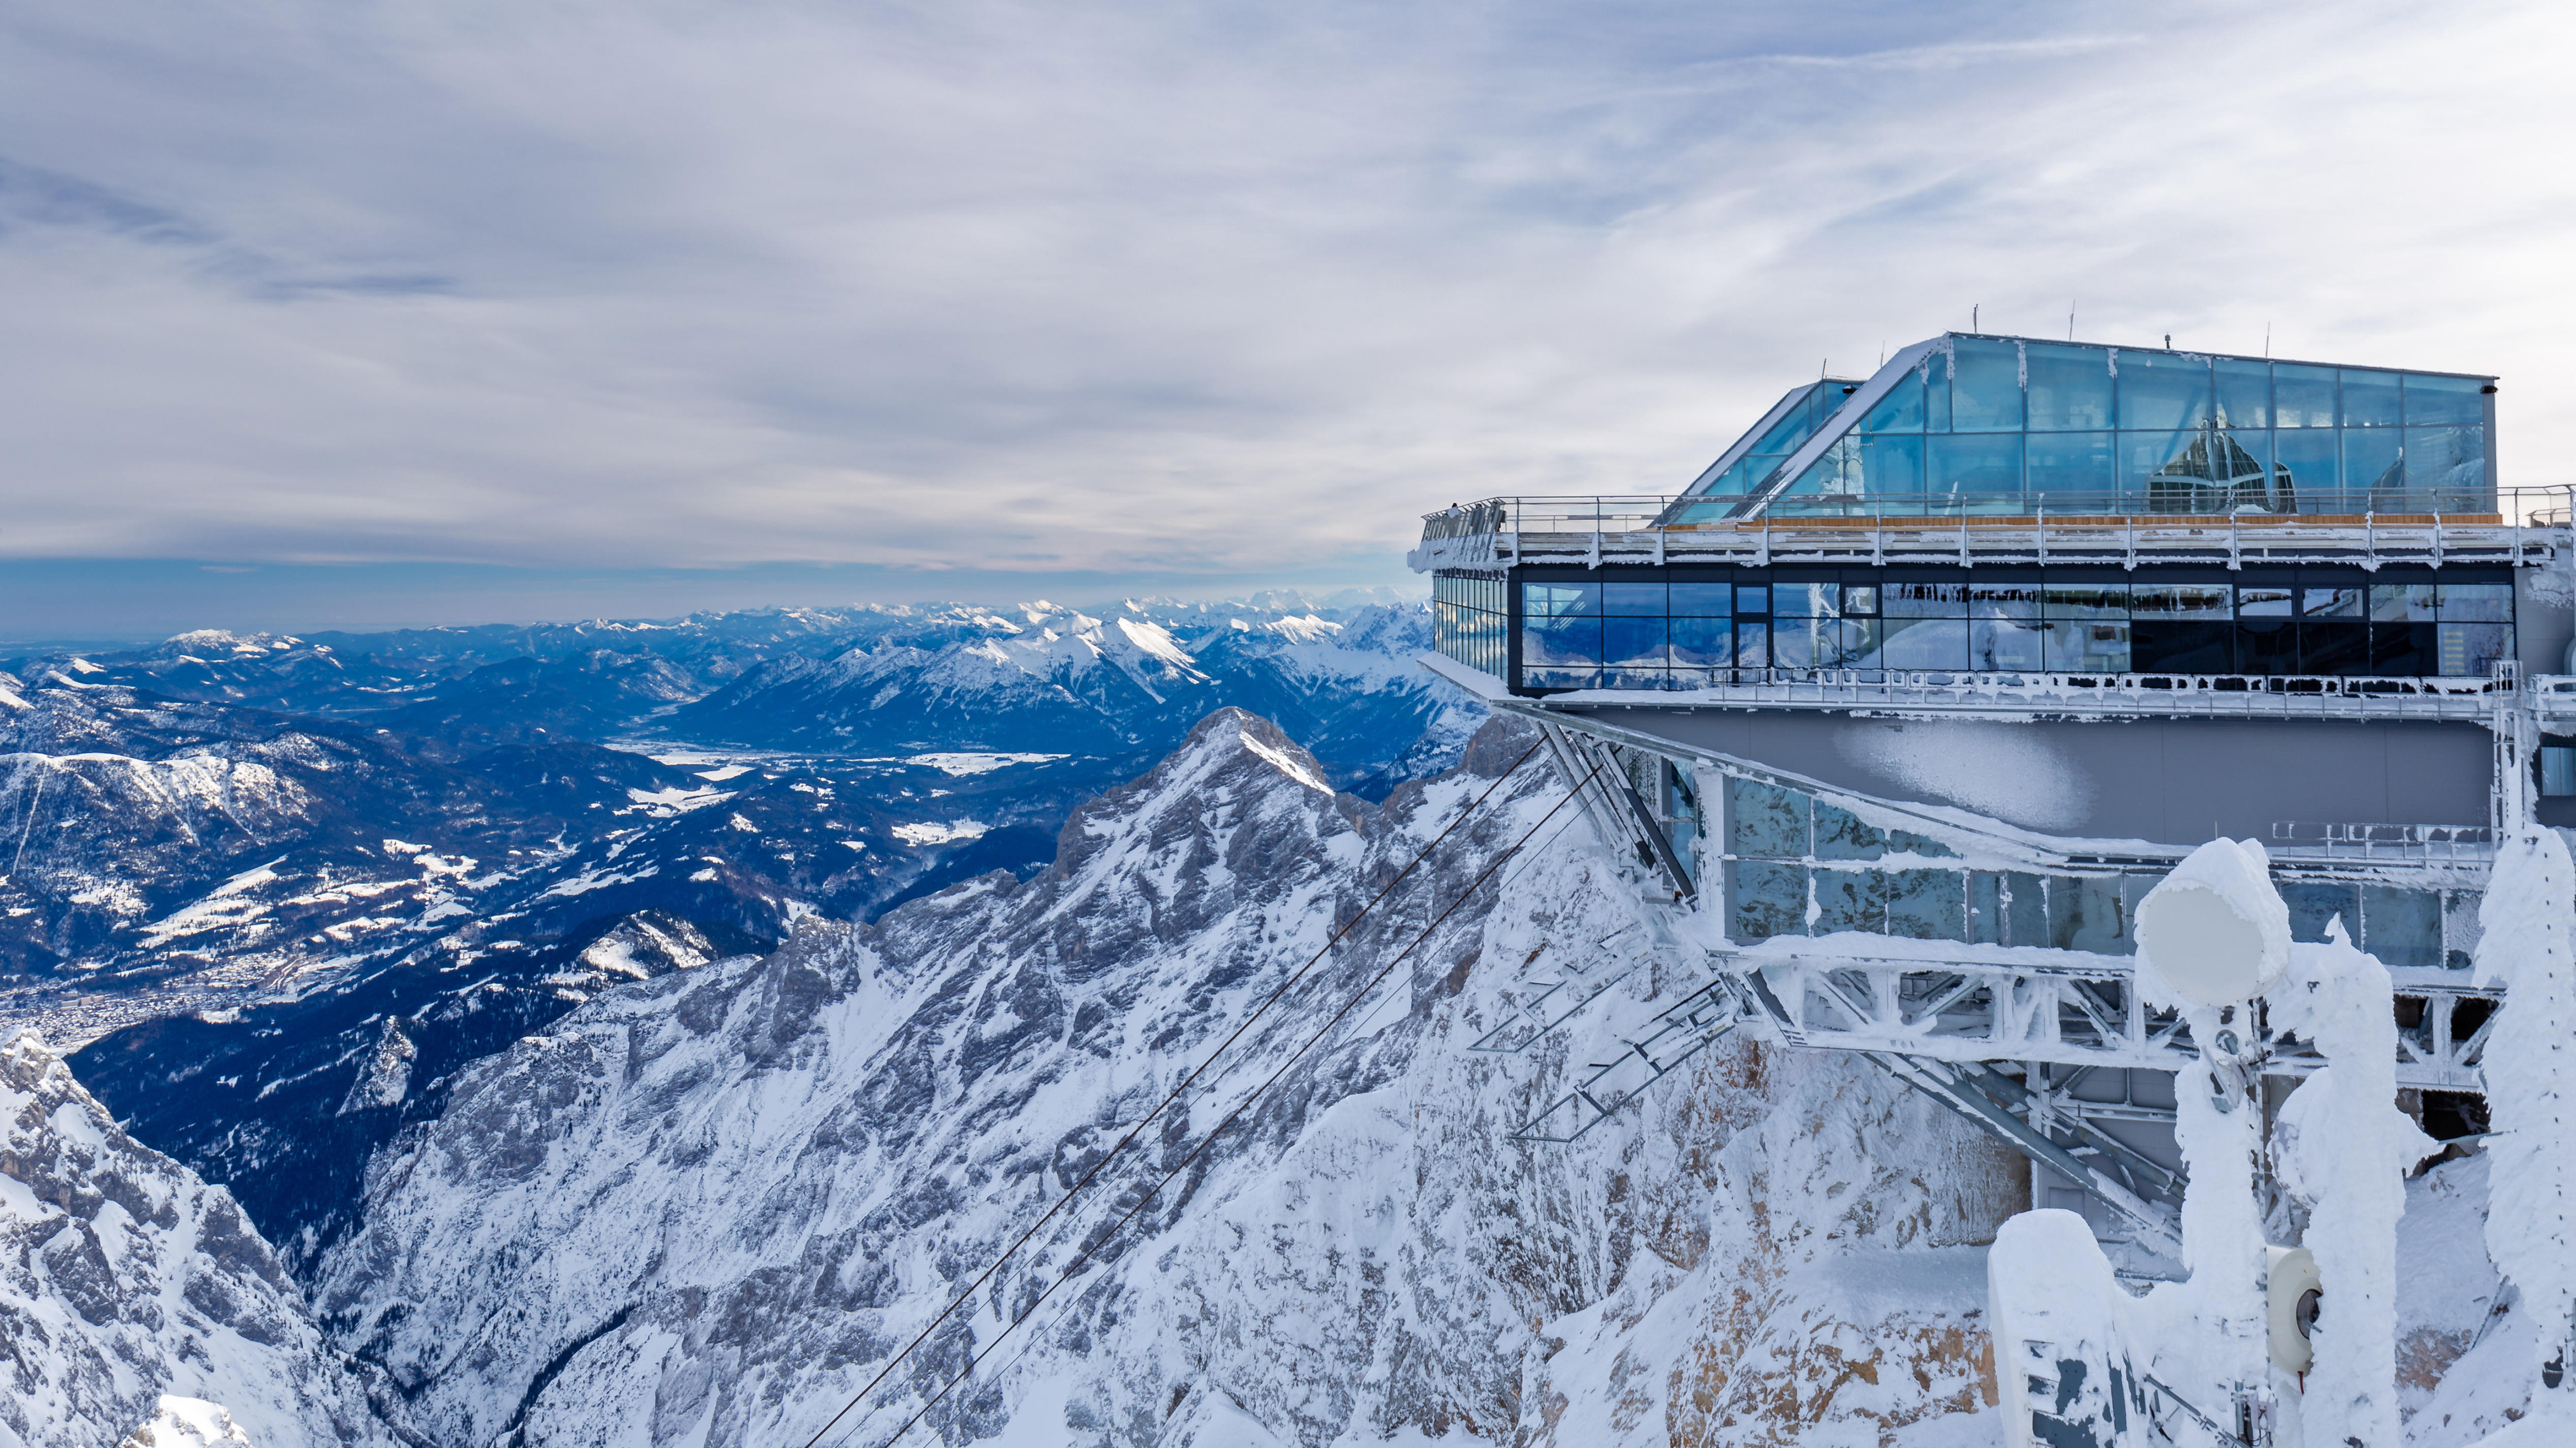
(1968, 424)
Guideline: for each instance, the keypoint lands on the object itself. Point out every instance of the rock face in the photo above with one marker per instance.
(124, 1278)
(708, 1207)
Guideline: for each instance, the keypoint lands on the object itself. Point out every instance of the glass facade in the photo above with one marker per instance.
(1470, 621)
(1660, 629)
(1985, 425)
(1806, 409)
(1788, 853)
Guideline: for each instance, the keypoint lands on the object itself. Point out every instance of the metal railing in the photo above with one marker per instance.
(2283, 696)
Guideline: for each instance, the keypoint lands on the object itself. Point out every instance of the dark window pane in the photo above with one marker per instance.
(1985, 392)
(2402, 650)
(2004, 645)
(2446, 469)
(1976, 472)
(2302, 396)
(2369, 398)
(2333, 602)
(1633, 642)
(1633, 600)
(1927, 600)
(1704, 642)
(2073, 470)
(1560, 600)
(2263, 601)
(2163, 391)
(2334, 646)
(2470, 650)
(2444, 400)
(1807, 600)
(1768, 900)
(2477, 602)
(1901, 410)
(2403, 602)
(2085, 600)
(1926, 643)
(2159, 602)
(2244, 392)
(2267, 646)
(2308, 461)
(2070, 388)
(1703, 600)
(1752, 598)
(2181, 648)
(1560, 641)
(2083, 646)
(2003, 600)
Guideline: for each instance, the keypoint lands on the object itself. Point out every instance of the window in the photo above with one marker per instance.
(2164, 392)
(2369, 398)
(2557, 770)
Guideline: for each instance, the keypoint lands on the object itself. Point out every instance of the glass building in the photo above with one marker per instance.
(2002, 425)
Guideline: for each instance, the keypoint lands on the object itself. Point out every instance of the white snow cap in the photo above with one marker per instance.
(2215, 931)
(188, 1423)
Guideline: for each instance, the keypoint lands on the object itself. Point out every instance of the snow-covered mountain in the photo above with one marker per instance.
(124, 1280)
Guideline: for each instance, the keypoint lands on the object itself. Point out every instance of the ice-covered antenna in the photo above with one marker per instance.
(2215, 930)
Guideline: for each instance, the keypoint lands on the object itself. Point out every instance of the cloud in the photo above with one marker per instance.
(1183, 289)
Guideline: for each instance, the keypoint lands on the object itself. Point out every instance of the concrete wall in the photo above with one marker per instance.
(2173, 782)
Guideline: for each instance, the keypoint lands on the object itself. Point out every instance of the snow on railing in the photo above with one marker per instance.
(2292, 696)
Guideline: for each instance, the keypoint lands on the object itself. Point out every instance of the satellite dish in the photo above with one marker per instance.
(2215, 931)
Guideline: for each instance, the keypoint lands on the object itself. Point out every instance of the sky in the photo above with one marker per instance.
(361, 314)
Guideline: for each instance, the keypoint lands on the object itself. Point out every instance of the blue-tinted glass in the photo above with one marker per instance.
(1927, 600)
(1704, 642)
(1560, 641)
(2244, 392)
(2245, 470)
(2003, 600)
(2086, 646)
(1752, 598)
(2150, 460)
(1560, 600)
(2444, 400)
(1925, 643)
(1552, 676)
(1807, 600)
(2084, 601)
(1975, 471)
(2305, 464)
(1752, 645)
(2371, 462)
(2302, 396)
(1892, 469)
(2004, 645)
(1796, 644)
(2369, 398)
(2163, 390)
(1703, 600)
(2070, 388)
(1633, 600)
(1985, 391)
(2446, 469)
(2073, 469)
(2402, 602)
(2477, 602)
(1901, 410)
(1936, 392)
(1860, 599)
(1633, 643)
(2256, 600)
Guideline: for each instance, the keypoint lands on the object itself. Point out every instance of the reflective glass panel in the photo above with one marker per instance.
(2244, 392)
(2471, 650)
(2267, 645)
(2085, 600)
(1985, 392)
(2332, 602)
(1936, 392)
(1555, 641)
(1925, 643)
(2302, 396)
(2163, 471)
(2307, 460)
(2163, 390)
(2167, 645)
(1976, 471)
(2073, 470)
(1703, 642)
(1927, 600)
(2070, 388)
(2372, 464)
(1752, 644)
(1633, 642)
(1901, 410)
(2083, 646)
(1807, 600)
(2003, 600)
(2244, 464)
(2369, 398)
(1703, 600)
(2334, 646)
(2264, 601)
(2482, 602)
(2179, 601)
(1633, 600)
(2004, 645)
(2402, 602)
(2446, 467)
(1559, 600)
(2444, 400)
(1752, 598)
(1860, 599)
(1806, 643)
(1892, 468)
